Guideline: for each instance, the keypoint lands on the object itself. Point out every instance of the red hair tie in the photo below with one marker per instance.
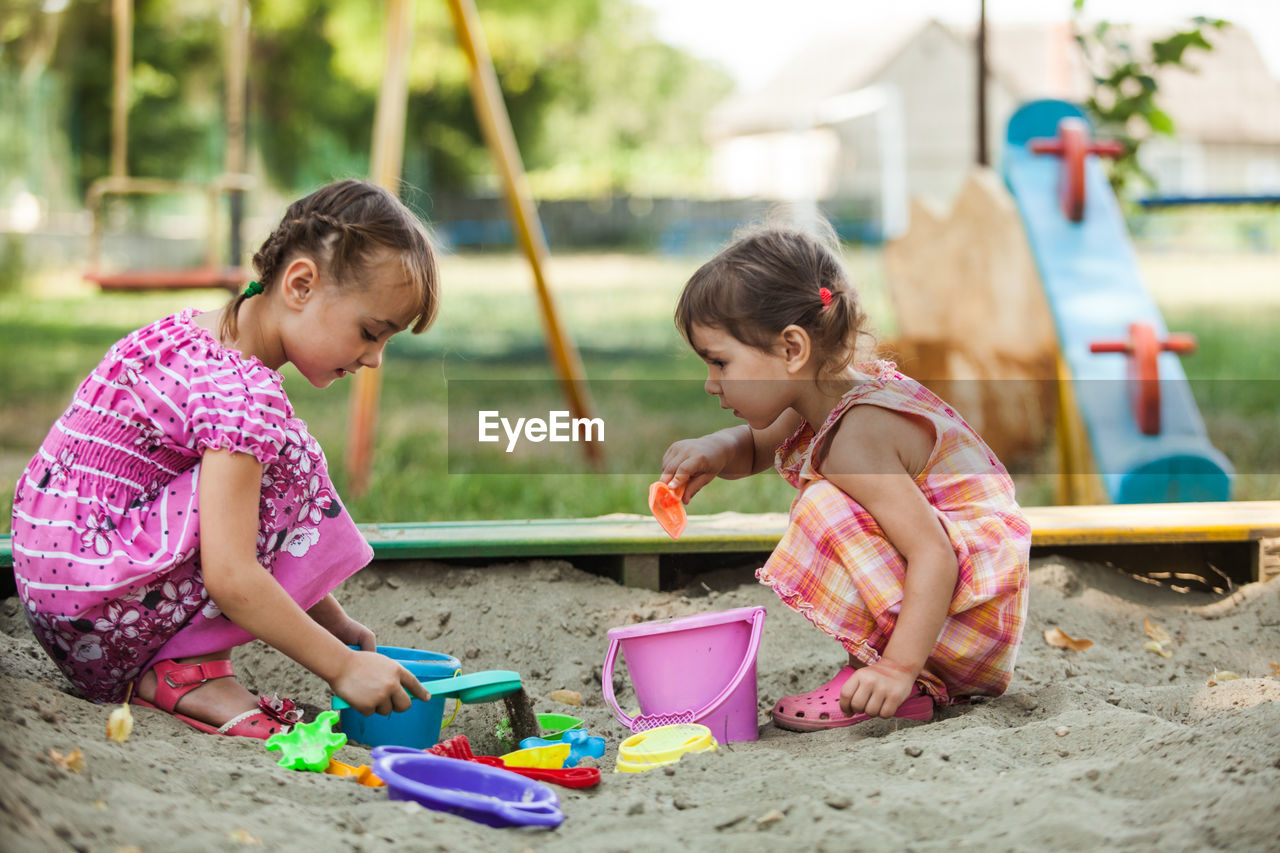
(826, 297)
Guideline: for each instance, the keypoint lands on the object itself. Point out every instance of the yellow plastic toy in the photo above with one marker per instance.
(662, 745)
(548, 757)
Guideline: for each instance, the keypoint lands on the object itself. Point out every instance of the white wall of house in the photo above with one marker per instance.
(797, 165)
(934, 78)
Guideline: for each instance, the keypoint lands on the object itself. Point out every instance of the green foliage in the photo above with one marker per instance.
(1124, 102)
(595, 100)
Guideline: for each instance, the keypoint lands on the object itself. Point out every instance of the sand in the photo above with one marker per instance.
(1112, 747)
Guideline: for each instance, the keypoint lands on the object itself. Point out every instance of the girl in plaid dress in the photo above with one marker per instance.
(905, 542)
(179, 509)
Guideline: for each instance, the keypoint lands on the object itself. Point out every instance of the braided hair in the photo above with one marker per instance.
(342, 226)
(770, 277)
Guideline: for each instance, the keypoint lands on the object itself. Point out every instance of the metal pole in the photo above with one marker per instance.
(237, 61)
(122, 19)
(983, 159)
(385, 165)
(486, 96)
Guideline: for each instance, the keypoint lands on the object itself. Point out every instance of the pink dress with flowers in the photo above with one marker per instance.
(106, 532)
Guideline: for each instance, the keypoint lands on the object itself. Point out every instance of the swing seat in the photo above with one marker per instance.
(228, 278)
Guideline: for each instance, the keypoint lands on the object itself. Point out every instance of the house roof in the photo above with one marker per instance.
(1230, 97)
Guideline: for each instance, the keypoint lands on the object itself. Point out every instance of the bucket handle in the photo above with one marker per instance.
(606, 677)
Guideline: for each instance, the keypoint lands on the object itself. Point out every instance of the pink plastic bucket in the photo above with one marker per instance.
(694, 669)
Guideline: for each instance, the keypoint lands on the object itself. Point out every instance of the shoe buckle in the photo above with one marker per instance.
(168, 676)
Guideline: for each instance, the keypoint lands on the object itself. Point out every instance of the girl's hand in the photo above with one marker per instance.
(692, 463)
(373, 683)
(877, 690)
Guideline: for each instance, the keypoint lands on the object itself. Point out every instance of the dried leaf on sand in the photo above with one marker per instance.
(1060, 639)
(120, 724)
(1155, 632)
(73, 760)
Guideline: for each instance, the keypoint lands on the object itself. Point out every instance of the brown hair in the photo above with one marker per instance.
(771, 277)
(341, 226)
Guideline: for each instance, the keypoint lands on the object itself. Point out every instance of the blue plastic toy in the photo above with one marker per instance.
(308, 746)
(420, 725)
(580, 743)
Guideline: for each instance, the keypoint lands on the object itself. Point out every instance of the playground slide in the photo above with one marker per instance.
(1145, 434)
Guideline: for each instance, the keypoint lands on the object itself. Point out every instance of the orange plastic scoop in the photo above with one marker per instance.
(667, 506)
(363, 773)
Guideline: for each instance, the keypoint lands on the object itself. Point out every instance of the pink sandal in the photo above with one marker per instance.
(175, 680)
(820, 709)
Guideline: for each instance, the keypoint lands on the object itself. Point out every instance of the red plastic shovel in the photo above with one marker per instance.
(667, 505)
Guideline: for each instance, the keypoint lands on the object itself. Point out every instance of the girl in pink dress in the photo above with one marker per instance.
(178, 508)
(905, 543)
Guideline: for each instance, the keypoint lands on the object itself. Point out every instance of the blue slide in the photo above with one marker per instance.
(1095, 292)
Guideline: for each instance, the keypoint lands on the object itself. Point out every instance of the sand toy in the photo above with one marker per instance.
(663, 745)
(571, 777)
(667, 505)
(581, 745)
(488, 795)
(308, 746)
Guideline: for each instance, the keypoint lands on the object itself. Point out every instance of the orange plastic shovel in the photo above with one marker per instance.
(667, 506)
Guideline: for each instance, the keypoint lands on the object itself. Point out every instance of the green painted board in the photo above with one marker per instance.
(1218, 521)
(608, 535)
(572, 536)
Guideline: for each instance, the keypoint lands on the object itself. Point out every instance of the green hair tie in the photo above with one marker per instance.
(253, 289)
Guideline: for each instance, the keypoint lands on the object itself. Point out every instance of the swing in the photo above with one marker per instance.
(232, 183)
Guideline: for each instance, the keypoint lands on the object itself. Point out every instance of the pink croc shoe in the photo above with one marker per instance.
(820, 709)
(175, 680)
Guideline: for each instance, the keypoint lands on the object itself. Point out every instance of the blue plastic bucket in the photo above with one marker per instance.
(419, 726)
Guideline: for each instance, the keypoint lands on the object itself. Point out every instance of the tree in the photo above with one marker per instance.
(591, 93)
(1124, 102)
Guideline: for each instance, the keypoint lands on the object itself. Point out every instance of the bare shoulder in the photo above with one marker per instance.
(873, 439)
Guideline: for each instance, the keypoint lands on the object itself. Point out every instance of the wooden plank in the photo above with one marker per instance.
(991, 353)
(1266, 559)
(643, 571)
(1052, 526)
(229, 278)
(1108, 524)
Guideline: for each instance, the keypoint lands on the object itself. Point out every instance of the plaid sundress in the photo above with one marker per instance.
(836, 567)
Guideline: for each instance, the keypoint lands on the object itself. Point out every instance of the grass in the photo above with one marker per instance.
(488, 346)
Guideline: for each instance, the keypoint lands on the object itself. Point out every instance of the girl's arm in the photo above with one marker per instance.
(731, 454)
(254, 600)
(329, 613)
(870, 459)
